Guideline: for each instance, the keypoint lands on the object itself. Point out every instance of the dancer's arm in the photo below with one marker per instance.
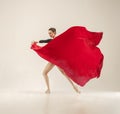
(45, 41)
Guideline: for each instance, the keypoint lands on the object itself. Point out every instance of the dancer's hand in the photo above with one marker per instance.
(33, 42)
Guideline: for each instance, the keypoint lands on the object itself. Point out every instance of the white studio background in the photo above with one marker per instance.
(22, 21)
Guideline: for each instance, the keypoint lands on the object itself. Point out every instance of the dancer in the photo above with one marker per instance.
(75, 52)
(49, 66)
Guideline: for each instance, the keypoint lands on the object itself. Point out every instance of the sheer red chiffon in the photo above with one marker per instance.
(76, 52)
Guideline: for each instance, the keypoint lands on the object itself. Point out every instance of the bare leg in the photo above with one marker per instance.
(47, 68)
(75, 88)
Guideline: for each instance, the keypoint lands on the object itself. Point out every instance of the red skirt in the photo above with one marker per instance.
(76, 52)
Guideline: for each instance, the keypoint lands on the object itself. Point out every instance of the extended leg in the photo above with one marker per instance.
(75, 88)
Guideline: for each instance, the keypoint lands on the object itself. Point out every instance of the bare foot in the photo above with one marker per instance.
(47, 91)
(76, 89)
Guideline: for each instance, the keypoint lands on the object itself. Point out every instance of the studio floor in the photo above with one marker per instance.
(28, 102)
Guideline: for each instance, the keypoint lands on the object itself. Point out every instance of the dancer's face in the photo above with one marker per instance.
(51, 33)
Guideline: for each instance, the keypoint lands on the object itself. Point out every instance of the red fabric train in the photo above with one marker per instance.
(76, 52)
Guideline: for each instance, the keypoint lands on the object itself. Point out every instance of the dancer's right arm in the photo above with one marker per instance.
(45, 41)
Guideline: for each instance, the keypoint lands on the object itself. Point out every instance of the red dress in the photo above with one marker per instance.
(75, 52)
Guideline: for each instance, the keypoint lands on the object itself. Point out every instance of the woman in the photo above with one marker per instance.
(75, 52)
(49, 66)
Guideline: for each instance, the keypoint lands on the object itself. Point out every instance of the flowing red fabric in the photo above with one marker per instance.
(76, 52)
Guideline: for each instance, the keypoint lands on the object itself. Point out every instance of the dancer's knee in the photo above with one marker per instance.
(45, 73)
